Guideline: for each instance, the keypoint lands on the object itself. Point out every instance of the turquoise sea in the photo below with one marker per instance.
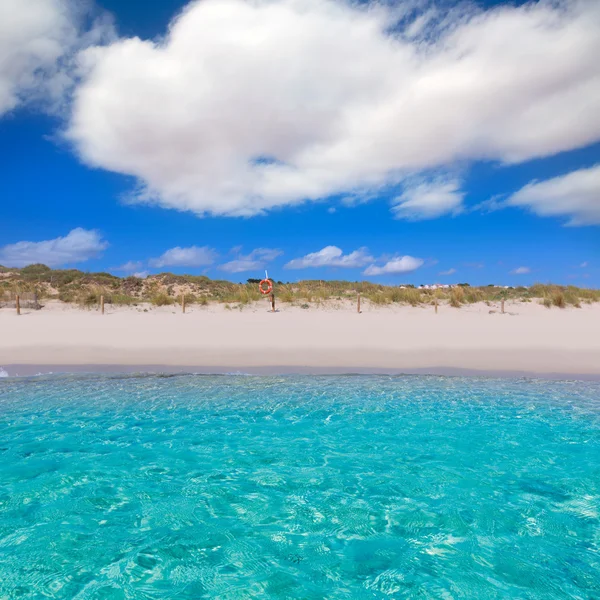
(298, 487)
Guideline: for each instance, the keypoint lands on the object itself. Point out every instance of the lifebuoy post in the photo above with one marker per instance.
(265, 287)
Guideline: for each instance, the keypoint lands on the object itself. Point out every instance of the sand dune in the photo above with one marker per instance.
(527, 339)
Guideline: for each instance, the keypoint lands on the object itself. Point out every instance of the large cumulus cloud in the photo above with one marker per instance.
(250, 105)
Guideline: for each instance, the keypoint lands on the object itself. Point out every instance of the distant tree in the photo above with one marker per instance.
(464, 285)
(251, 280)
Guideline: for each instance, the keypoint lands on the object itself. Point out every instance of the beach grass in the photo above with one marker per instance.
(163, 289)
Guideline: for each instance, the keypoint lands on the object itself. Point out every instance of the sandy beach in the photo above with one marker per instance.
(527, 339)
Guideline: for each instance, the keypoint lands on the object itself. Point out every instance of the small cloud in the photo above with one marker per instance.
(77, 246)
(584, 265)
(429, 200)
(331, 210)
(141, 274)
(257, 259)
(130, 267)
(448, 272)
(332, 256)
(491, 205)
(398, 264)
(521, 271)
(474, 265)
(193, 256)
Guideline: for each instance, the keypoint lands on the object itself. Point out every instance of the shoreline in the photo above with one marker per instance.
(32, 370)
(529, 340)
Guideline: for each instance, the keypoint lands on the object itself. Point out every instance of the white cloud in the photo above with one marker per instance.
(428, 200)
(193, 256)
(575, 196)
(332, 256)
(257, 259)
(77, 246)
(245, 106)
(38, 39)
(398, 264)
(490, 205)
(141, 274)
(448, 272)
(521, 271)
(584, 265)
(131, 266)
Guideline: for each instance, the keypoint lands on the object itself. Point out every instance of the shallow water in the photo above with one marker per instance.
(298, 487)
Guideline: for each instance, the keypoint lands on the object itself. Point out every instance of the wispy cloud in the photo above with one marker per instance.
(429, 200)
(77, 246)
(448, 272)
(332, 256)
(255, 260)
(490, 205)
(193, 256)
(574, 196)
(130, 266)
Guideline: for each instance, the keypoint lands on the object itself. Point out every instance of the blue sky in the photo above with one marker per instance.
(303, 161)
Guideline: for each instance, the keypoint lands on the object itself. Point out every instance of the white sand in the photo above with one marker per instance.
(528, 339)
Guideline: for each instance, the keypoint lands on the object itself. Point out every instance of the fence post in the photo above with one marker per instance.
(358, 304)
(502, 305)
(436, 305)
(18, 304)
(272, 302)
(183, 303)
(102, 304)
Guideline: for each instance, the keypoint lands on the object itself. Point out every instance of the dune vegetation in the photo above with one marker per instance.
(163, 289)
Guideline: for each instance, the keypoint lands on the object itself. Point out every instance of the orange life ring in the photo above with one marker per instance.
(269, 288)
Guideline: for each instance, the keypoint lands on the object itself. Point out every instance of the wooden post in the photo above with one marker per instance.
(183, 303)
(502, 305)
(358, 304)
(272, 302)
(436, 305)
(18, 304)
(102, 304)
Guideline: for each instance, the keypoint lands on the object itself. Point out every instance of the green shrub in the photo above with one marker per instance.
(122, 300)
(161, 299)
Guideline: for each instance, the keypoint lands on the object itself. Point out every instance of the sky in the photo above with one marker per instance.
(417, 142)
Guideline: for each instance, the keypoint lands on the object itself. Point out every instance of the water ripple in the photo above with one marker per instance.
(186, 486)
